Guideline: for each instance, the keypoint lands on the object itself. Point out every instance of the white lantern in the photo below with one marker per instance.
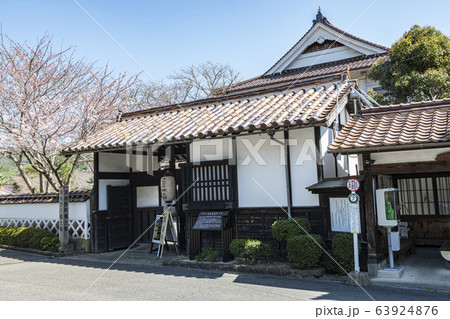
(168, 188)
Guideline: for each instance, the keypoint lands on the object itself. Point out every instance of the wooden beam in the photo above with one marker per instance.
(319, 162)
(412, 167)
(369, 211)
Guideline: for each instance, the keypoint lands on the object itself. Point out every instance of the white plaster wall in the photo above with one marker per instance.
(303, 167)
(139, 163)
(102, 195)
(112, 162)
(270, 173)
(326, 137)
(319, 57)
(43, 211)
(147, 196)
(211, 150)
(408, 156)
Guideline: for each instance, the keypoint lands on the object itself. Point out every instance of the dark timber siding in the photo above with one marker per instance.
(256, 222)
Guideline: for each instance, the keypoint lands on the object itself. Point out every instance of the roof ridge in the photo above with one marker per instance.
(211, 100)
(323, 20)
(320, 65)
(403, 107)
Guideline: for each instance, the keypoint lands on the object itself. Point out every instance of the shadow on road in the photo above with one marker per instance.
(327, 289)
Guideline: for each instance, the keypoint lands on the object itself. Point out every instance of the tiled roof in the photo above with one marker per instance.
(303, 73)
(409, 125)
(285, 107)
(321, 19)
(43, 198)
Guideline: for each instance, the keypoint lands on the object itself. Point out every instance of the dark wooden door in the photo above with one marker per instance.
(119, 219)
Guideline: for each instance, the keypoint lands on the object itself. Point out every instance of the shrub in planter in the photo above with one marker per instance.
(342, 252)
(284, 229)
(209, 254)
(303, 251)
(251, 250)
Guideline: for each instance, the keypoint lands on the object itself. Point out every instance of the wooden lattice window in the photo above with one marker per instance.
(424, 195)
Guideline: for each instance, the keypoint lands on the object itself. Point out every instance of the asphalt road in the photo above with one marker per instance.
(33, 277)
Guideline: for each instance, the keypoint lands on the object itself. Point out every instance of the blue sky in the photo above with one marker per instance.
(164, 36)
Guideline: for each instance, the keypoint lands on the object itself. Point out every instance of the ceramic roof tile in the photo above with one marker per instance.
(275, 109)
(396, 125)
(74, 196)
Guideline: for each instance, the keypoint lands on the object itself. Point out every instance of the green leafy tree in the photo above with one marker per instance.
(418, 67)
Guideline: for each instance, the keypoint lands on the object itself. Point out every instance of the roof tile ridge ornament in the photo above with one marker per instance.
(119, 116)
(320, 18)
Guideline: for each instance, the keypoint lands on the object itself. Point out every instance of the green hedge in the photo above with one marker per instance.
(209, 254)
(342, 252)
(27, 237)
(304, 251)
(287, 228)
(251, 250)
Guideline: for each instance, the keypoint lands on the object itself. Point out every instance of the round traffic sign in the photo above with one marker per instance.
(353, 184)
(353, 198)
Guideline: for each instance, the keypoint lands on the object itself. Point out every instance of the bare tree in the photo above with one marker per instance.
(48, 99)
(188, 84)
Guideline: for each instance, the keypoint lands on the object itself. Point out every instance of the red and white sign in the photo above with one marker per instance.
(353, 184)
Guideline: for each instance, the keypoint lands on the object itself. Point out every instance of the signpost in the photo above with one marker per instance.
(353, 185)
(163, 231)
(209, 221)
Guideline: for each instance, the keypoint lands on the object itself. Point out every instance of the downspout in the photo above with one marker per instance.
(287, 169)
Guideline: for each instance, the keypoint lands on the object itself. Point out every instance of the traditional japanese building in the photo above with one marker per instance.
(405, 146)
(252, 150)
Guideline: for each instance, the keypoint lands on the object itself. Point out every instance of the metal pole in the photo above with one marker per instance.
(391, 255)
(356, 251)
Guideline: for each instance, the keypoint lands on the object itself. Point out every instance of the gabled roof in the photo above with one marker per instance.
(288, 106)
(321, 31)
(294, 75)
(403, 126)
(43, 198)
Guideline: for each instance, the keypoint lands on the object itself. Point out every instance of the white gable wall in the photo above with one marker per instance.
(319, 33)
(323, 56)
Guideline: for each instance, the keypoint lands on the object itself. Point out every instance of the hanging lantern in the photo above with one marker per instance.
(168, 188)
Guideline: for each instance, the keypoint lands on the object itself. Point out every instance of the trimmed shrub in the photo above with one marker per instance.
(251, 250)
(237, 247)
(209, 254)
(303, 251)
(50, 243)
(24, 237)
(287, 228)
(342, 252)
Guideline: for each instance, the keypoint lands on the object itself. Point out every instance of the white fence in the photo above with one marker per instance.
(46, 216)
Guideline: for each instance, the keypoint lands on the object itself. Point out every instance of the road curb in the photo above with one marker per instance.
(315, 272)
(37, 252)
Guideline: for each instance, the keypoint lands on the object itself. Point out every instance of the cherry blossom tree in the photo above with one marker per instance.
(48, 98)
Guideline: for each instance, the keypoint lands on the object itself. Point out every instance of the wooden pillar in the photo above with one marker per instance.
(370, 216)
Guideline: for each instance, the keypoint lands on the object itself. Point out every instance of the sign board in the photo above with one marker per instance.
(164, 230)
(355, 225)
(157, 229)
(353, 184)
(209, 220)
(340, 214)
